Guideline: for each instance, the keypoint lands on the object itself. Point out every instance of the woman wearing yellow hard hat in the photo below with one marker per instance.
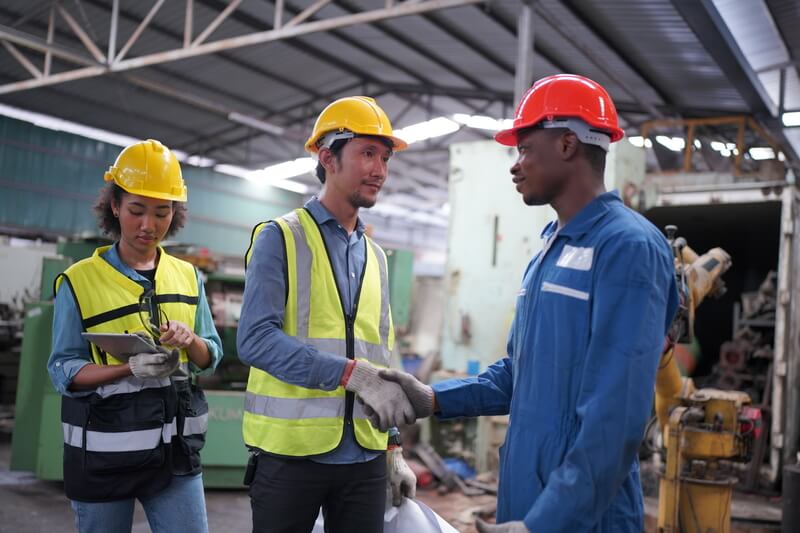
(134, 422)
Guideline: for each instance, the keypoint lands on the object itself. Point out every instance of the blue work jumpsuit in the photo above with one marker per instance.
(578, 381)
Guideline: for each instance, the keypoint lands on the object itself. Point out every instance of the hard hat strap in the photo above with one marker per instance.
(585, 133)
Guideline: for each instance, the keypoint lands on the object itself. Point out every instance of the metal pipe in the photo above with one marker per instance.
(22, 60)
(51, 27)
(523, 77)
(781, 317)
(82, 35)
(112, 35)
(188, 23)
(216, 22)
(138, 31)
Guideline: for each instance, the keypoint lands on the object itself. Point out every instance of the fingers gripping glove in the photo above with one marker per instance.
(419, 394)
(506, 527)
(401, 478)
(154, 365)
(387, 399)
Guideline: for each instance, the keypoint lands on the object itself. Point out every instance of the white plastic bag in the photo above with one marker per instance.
(411, 517)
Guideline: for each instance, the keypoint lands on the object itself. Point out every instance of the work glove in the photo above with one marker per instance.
(506, 527)
(386, 400)
(419, 394)
(401, 478)
(160, 364)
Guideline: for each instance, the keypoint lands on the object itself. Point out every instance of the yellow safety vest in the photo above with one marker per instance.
(289, 420)
(108, 301)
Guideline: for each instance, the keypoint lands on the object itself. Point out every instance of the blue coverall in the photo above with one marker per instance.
(578, 381)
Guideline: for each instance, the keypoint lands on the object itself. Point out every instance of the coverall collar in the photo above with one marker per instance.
(322, 215)
(586, 217)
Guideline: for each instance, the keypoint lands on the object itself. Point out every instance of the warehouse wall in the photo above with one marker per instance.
(49, 180)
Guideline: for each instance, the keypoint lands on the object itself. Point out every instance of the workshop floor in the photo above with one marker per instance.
(29, 505)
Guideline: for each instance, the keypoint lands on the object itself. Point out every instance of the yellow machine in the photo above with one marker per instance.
(703, 430)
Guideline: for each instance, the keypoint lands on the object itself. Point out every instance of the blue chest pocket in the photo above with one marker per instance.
(564, 308)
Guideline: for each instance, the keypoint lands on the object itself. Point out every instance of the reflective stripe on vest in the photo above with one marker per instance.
(193, 425)
(108, 301)
(121, 441)
(290, 420)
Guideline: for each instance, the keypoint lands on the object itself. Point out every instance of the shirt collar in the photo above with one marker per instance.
(112, 257)
(586, 217)
(323, 216)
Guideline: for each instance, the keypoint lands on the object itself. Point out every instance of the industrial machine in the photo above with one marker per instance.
(704, 431)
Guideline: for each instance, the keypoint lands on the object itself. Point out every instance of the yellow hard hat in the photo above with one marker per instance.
(359, 115)
(148, 168)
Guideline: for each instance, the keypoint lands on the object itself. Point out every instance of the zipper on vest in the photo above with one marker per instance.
(351, 354)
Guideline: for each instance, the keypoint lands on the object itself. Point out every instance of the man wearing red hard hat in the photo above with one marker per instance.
(591, 316)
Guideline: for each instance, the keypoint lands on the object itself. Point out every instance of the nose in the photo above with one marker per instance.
(148, 223)
(380, 169)
(515, 168)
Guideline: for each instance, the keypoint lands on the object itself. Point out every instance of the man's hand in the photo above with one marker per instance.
(389, 406)
(420, 395)
(154, 365)
(401, 478)
(507, 527)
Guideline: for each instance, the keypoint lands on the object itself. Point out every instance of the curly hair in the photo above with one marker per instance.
(113, 193)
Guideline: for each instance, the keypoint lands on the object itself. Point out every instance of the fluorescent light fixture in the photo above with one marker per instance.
(283, 171)
(760, 153)
(481, 122)
(640, 142)
(200, 161)
(718, 146)
(791, 118)
(427, 130)
(697, 144)
(272, 178)
(676, 144)
(255, 123)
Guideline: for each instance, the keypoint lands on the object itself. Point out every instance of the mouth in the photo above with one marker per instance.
(147, 239)
(375, 187)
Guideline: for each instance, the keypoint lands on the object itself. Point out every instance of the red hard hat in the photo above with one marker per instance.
(564, 96)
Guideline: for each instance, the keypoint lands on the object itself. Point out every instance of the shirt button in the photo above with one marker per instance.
(58, 364)
(352, 274)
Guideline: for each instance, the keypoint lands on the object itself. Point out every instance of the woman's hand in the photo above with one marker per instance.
(176, 334)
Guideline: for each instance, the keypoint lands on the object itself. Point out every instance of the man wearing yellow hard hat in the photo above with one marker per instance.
(315, 329)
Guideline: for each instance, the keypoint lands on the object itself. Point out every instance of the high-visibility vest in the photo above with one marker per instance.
(290, 420)
(118, 441)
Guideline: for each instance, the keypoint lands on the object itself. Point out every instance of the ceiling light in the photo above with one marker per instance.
(791, 119)
(697, 144)
(427, 130)
(676, 144)
(760, 153)
(255, 123)
(285, 170)
(482, 122)
(640, 142)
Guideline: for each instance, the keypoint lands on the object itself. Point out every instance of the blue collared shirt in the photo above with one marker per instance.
(260, 339)
(71, 352)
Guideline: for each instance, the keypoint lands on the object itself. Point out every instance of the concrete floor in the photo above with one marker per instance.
(29, 505)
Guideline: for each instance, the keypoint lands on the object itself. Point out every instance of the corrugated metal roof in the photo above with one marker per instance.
(451, 61)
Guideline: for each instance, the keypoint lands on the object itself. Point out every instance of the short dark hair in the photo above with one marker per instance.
(110, 224)
(337, 146)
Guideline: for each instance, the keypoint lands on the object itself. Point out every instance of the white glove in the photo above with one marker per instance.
(154, 365)
(388, 403)
(518, 526)
(419, 394)
(401, 478)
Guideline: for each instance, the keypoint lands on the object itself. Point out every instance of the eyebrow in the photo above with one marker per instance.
(139, 204)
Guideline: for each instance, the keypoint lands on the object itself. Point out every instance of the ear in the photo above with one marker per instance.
(327, 159)
(568, 145)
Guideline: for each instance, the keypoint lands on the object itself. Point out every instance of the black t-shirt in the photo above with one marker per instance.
(149, 274)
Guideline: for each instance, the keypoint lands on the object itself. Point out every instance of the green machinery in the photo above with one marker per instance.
(37, 441)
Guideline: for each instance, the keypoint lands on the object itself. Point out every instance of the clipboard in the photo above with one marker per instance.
(123, 345)
(120, 345)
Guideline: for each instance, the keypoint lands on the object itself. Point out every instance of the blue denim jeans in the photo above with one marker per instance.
(179, 507)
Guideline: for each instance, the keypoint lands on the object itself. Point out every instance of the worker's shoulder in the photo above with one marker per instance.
(624, 226)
